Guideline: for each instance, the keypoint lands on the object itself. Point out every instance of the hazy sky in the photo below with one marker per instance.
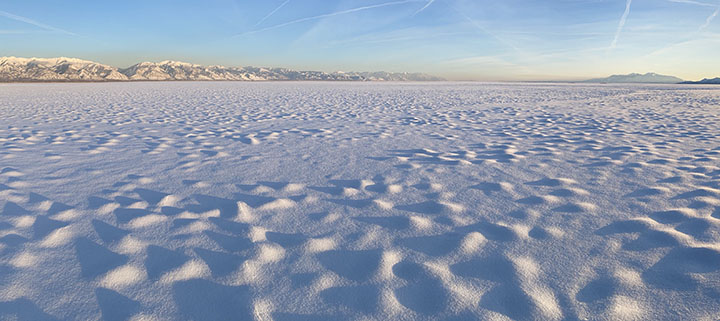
(457, 39)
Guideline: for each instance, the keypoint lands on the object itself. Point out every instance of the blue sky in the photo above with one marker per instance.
(457, 39)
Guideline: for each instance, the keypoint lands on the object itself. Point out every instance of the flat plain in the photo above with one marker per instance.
(359, 201)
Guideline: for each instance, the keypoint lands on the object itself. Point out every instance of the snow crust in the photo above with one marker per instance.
(339, 201)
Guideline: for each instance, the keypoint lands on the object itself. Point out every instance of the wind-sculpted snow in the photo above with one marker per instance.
(338, 201)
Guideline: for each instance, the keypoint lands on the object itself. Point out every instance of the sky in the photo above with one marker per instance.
(457, 39)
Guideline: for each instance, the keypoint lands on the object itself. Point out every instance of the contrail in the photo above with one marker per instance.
(698, 3)
(393, 3)
(710, 19)
(272, 13)
(689, 38)
(34, 23)
(424, 7)
(486, 31)
(621, 24)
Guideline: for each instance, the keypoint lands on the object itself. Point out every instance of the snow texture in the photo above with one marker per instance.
(359, 201)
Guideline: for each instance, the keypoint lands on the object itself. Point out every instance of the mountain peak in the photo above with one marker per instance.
(705, 81)
(56, 69)
(46, 61)
(72, 69)
(647, 78)
(177, 63)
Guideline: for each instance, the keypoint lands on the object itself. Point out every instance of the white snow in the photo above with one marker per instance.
(44, 61)
(358, 201)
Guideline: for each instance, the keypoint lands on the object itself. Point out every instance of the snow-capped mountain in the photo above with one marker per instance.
(706, 81)
(70, 69)
(175, 70)
(648, 78)
(52, 69)
(394, 76)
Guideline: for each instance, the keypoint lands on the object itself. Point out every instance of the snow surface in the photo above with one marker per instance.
(356, 201)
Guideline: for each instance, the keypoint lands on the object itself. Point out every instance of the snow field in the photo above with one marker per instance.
(326, 201)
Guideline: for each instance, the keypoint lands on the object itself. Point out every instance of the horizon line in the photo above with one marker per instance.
(555, 79)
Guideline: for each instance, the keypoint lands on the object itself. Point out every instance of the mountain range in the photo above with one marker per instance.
(648, 78)
(706, 81)
(14, 69)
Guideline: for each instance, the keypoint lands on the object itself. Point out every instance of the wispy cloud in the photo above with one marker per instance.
(697, 3)
(691, 38)
(495, 67)
(485, 30)
(16, 32)
(703, 4)
(327, 15)
(34, 23)
(710, 19)
(424, 7)
(272, 13)
(692, 43)
(476, 60)
(621, 24)
(410, 34)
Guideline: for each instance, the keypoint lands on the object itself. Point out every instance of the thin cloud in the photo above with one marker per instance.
(327, 15)
(680, 44)
(16, 32)
(623, 19)
(475, 60)
(424, 7)
(34, 23)
(710, 19)
(697, 3)
(272, 13)
(402, 35)
(690, 39)
(485, 30)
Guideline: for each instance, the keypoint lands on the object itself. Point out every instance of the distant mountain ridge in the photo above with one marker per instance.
(72, 69)
(648, 78)
(706, 81)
